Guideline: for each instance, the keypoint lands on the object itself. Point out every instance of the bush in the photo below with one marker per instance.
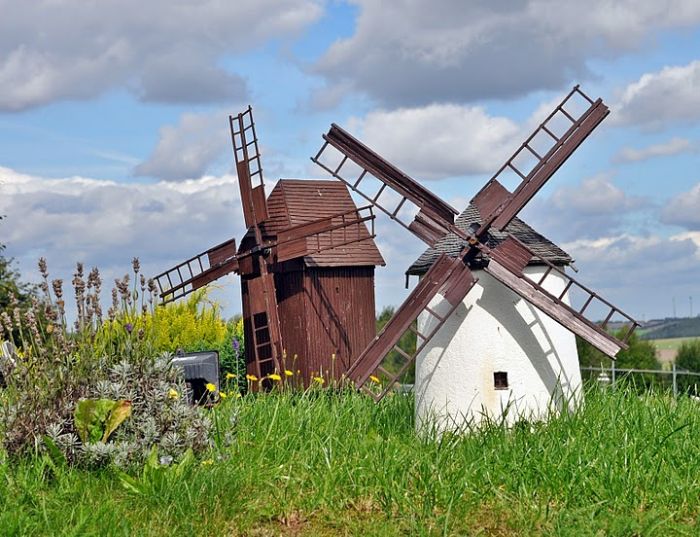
(117, 359)
(688, 358)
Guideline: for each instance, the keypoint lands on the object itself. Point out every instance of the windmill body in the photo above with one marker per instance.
(496, 356)
(306, 266)
(492, 310)
(325, 299)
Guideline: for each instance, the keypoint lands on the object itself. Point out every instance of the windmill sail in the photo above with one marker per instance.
(508, 261)
(197, 271)
(449, 277)
(248, 168)
(498, 206)
(434, 217)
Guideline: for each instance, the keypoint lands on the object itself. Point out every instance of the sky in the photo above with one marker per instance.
(114, 137)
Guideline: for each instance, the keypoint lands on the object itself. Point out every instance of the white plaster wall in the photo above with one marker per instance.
(495, 330)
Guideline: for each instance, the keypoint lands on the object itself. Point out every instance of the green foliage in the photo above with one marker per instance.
(96, 419)
(641, 354)
(406, 343)
(688, 358)
(337, 463)
(14, 293)
(76, 384)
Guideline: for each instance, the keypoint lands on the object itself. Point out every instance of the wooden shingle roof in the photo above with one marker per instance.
(300, 201)
(452, 245)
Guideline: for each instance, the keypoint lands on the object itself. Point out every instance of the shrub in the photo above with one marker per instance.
(96, 359)
(688, 358)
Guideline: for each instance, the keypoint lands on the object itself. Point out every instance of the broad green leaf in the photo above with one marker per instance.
(121, 411)
(90, 416)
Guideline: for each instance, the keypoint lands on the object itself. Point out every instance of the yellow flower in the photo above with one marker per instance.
(49, 329)
(223, 395)
(230, 376)
(319, 380)
(288, 373)
(251, 378)
(274, 376)
(172, 394)
(238, 395)
(375, 379)
(210, 387)
(207, 462)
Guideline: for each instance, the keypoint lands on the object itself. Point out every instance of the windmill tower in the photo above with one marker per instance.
(486, 251)
(306, 265)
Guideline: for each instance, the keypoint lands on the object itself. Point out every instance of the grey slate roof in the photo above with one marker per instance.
(452, 245)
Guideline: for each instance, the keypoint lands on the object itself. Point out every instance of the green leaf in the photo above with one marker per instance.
(57, 457)
(121, 411)
(90, 416)
(187, 461)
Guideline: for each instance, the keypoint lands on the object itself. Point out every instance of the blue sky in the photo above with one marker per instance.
(114, 136)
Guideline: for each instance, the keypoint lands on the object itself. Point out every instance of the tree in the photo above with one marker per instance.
(688, 358)
(640, 354)
(407, 343)
(11, 284)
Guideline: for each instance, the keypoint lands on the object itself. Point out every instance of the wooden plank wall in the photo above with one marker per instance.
(326, 311)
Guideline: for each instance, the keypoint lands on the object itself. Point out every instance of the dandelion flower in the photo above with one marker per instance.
(207, 462)
(210, 387)
(319, 380)
(288, 373)
(274, 376)
(375, 379)
(172, 394)
(223, 395)
(238, 396)
(230, 376)
(251, 378)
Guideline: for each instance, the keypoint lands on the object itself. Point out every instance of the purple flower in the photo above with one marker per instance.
(129, 327)
(235, 344)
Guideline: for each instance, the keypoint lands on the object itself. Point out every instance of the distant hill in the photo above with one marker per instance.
(669, 328)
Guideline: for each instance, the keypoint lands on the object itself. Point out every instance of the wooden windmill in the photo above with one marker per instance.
(431, 219)
(308, 257)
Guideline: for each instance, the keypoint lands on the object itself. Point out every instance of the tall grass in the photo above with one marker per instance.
(327, 463)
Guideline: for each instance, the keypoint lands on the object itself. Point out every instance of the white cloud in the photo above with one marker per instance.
(187, 149)
(684, 210)
(411, 52)
(439, 140)
(674, 146)
(593, 208)
(626, 271)
(163, 51)
(105, 223)
(672, 94)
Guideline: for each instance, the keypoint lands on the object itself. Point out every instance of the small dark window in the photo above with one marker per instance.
(500, 380)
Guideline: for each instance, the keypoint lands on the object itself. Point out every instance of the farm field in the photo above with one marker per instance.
(326, 463)
(668, 348)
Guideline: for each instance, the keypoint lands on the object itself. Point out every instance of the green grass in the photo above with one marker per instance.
(337, 464)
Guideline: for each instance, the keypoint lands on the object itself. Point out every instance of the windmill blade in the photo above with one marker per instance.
(508, 261)
(434, 216)
(248, 167)
(197, 271)
(325, 234)
(449, 277)
(262, 328)
(495, 203)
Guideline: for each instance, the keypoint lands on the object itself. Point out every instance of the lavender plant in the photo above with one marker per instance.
(59, 364)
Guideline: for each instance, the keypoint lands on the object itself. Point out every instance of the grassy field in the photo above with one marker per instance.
(668, 348)
(671, 343)
(337, 464)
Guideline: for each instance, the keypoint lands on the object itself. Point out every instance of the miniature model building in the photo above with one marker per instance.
(496, 354)
(325, 300)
